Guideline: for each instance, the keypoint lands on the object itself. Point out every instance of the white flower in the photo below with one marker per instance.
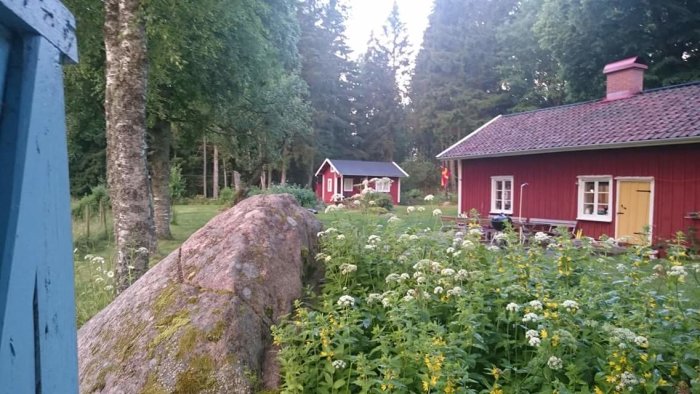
(109, 288)
(394, 219)
(340, 237)
(142, 250)
(536, 305)
(421, 209)
(413, 237)
(339, 364)
(476, 231)
(346, 300)
(467, 244)
(678, 270)
(493, 248)
(450, 250)
(534, 341)
(570, 305)
(500, 236)
(530, 317)
(512, 307)
(461, 274)
(541, 237)
(408, 298)
(370, 247)
(435, 266)
(327, 259)
(437, 212)
(372, 202)
(356, 202)
(373, 297)
(386, 302)
(373, 239)
(328, 209)
(447, 272)
(438, 290)
(347, 268)
(421, 264)
(627, 379)
(641, 341)
(421, 280)
(555, 363)
(529, 334)
(410, 209)
(429, 197)
(110, 274)
(392, 278)
(404, 277)
(99, 279)
(455, 291)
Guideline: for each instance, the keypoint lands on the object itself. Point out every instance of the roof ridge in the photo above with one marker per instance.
(682, 85)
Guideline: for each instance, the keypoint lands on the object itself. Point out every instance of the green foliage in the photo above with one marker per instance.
(425, 175)
(305, 197)
(177, 183)
(226, 196)
(99, 196)
(408, 310)
(381, 200)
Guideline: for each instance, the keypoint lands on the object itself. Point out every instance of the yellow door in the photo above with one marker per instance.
(633, 203)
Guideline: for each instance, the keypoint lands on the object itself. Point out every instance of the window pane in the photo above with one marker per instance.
(506, 195)
(588, 198)
(588, 209)
(603, 187)
(603, 198)
(499, 185)
(507, 205)
(499, 195)
(507, 185)
(589, 187)
(498, 204)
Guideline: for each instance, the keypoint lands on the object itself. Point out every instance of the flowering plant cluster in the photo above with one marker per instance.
(417, 311)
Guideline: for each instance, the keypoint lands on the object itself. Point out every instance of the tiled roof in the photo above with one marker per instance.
(658, 116)
(366, 168)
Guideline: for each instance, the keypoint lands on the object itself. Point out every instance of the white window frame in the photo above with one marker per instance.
(382, 185)
(494, 180)
(345, 185)
(594, 217)
(329, 185)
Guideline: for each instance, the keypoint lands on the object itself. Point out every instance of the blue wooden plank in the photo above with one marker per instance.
(4, 57)
(48, 18)
(37, 308)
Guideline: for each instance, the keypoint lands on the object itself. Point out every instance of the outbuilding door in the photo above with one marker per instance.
(634, 204)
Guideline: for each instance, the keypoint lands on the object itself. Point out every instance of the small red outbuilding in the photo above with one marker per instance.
(345, 178)
(614, 165)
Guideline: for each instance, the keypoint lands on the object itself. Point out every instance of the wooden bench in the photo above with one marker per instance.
(549, 226)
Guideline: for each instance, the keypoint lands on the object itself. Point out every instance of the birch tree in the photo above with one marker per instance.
(125, 113)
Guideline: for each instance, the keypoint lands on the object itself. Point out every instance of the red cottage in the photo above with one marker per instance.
(614, 165)
(345, 177)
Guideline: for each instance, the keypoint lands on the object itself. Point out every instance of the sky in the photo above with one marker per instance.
(364, 16)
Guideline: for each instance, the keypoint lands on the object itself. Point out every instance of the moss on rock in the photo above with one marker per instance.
(198, 377)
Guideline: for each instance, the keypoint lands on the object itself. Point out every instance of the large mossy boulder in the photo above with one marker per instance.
(199, 321)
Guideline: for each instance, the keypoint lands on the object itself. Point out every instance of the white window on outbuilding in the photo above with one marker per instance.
(595, 198)
(382, 185)
(329, 185)
(347, 184)
(502, 194)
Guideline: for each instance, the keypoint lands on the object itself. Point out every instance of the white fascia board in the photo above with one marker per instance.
(400, 169)
(329, 163)
(466, 138)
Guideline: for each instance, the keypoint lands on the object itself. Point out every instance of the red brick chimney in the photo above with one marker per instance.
(625, 78)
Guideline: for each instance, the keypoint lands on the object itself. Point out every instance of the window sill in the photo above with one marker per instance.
(500, 212)
(606, 219)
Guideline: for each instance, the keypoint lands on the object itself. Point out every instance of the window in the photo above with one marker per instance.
(329, 185)
(383, 185)
(594, 198)
(502, 194)
(347, 184)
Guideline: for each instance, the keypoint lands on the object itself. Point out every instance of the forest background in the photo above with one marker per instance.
(268, 88)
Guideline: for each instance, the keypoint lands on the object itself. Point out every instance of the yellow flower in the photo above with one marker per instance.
(597, 390)
(543, 333)
(663, 382)
(611, 379)
(496, 372)
(449, 389)
(496, 390)
(426, 386)
(674, 370)
(644, 357)
(555, 340)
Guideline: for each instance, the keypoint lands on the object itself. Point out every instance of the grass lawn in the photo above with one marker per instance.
(94, 274)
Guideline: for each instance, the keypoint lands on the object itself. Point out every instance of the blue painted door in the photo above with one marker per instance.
(37, 307)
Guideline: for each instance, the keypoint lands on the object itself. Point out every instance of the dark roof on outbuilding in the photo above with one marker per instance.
(654, 117)
(365, 168)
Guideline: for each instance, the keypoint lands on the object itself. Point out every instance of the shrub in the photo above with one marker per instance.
(420, 311)
(98, 195)
(382, 200)
(305, 197)
(177, 183)
(226, 195)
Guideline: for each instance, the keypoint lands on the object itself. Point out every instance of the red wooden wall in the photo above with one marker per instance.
(552, 189)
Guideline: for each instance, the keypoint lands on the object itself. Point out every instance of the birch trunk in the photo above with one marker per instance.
(223, 162)
(160, 177)
(204, 167)
(263, 179)
(125, 113)
(236, 181)
(215, 174)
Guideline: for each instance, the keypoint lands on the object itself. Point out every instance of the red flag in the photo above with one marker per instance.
(445, 176)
